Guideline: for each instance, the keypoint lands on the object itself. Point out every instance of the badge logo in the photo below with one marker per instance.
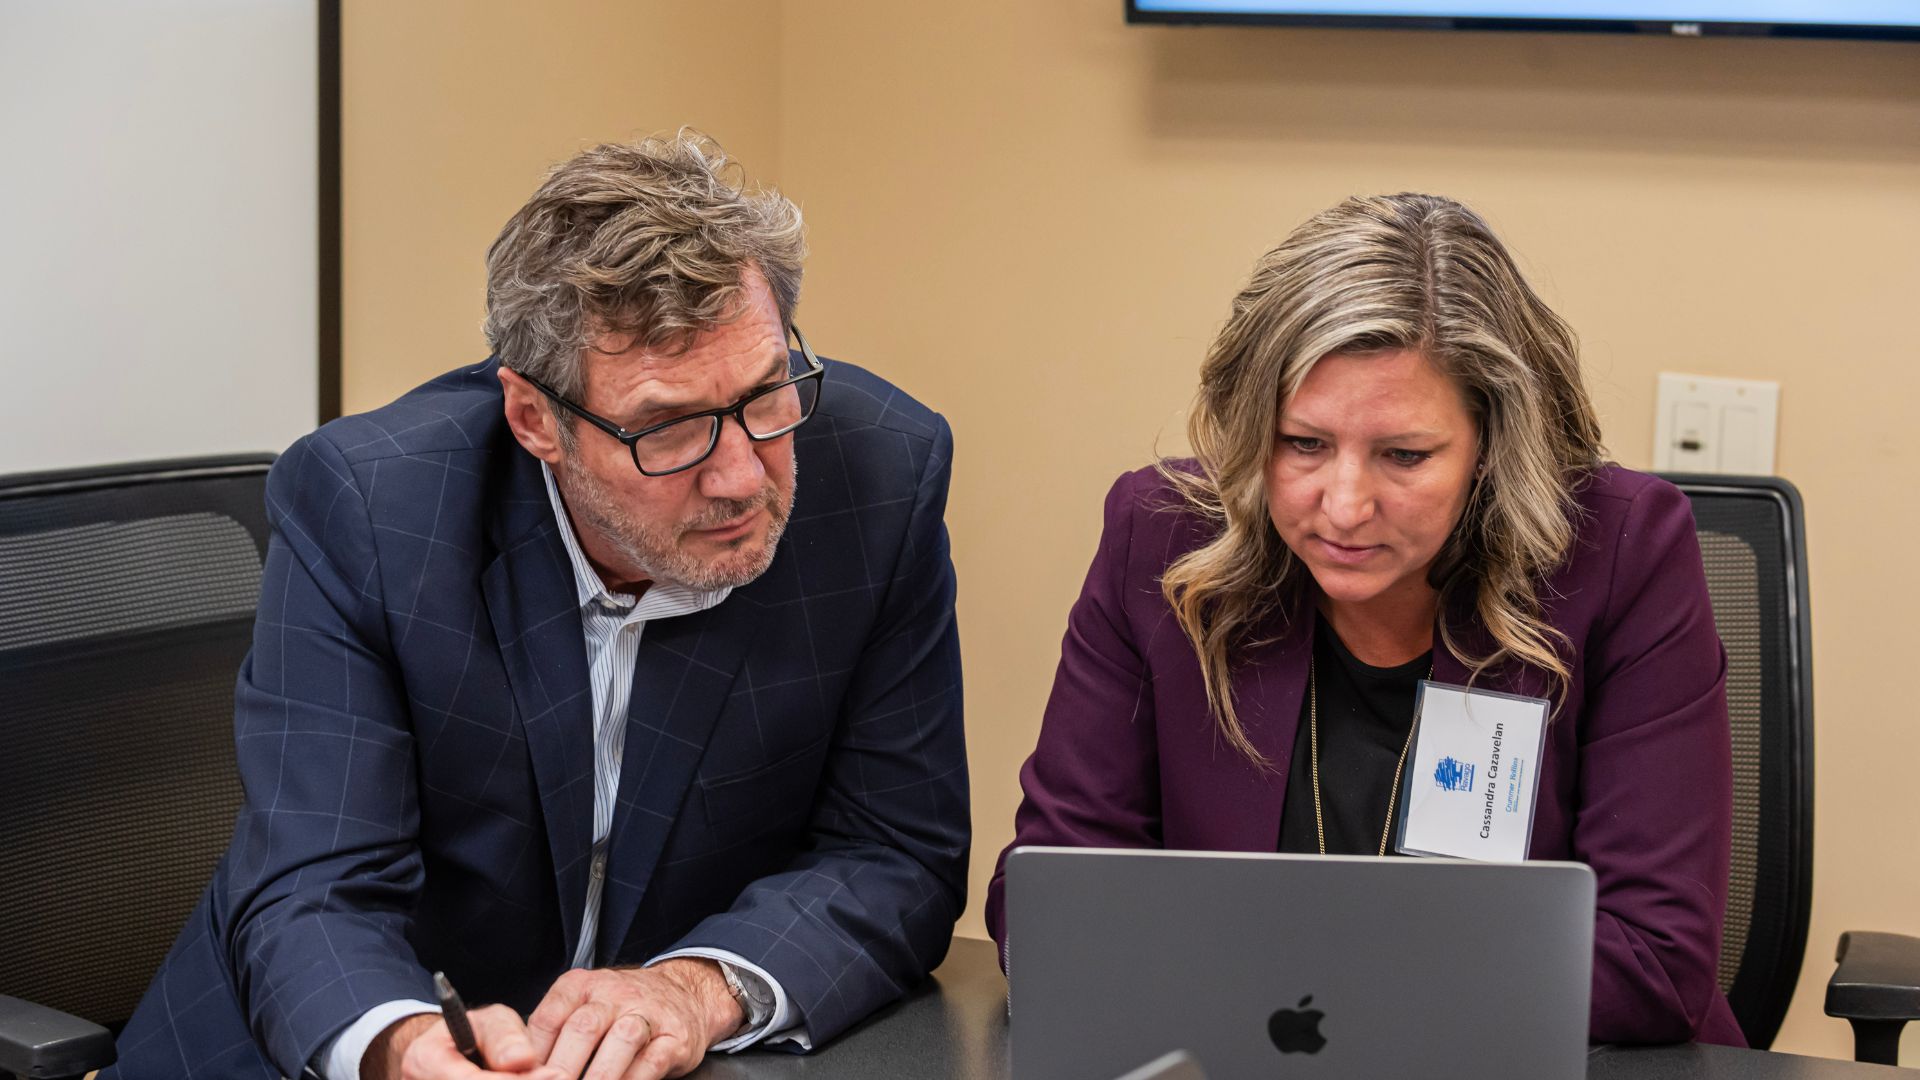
(1450, 775)
(1297, 1030)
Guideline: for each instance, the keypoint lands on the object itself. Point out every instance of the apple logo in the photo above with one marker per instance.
(1297, 1030)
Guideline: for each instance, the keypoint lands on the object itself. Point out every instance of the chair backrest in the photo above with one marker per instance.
(1753, 542)
(127, 598)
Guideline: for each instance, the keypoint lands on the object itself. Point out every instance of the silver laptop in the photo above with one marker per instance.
(1276, 966)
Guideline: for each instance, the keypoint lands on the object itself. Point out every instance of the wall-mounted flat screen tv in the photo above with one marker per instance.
(1898, 19)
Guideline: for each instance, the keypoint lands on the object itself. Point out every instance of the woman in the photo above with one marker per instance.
(1398, 474)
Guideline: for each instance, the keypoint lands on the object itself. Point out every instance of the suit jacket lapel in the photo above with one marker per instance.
(533, 604)
(683, 674)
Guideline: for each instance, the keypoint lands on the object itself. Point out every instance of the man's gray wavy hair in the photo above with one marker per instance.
(649, 241)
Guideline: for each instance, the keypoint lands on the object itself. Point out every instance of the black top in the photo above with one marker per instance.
(1365, 715)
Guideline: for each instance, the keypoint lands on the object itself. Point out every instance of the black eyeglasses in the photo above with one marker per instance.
(679, 444)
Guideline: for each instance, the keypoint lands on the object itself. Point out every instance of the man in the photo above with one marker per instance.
(616, 677)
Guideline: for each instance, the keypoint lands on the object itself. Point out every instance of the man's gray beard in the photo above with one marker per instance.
(651, 547)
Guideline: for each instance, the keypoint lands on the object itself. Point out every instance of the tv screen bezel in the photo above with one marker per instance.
(1665, 28)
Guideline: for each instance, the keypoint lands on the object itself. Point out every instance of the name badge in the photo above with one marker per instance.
(1471, 779)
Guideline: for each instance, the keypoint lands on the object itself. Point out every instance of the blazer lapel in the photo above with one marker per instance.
(1508, 678)
(683, 674)
(1449, 670)
(1269, 687)
(532, 602)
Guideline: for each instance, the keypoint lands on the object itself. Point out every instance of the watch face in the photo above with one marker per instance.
(750, 992)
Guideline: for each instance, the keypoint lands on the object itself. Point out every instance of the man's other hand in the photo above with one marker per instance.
(634, 1023)
(421, 1048)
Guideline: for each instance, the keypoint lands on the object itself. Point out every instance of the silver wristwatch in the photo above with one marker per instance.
(751, 993)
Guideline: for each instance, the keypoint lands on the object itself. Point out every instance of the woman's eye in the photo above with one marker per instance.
(1301, 443)
(1408, 457)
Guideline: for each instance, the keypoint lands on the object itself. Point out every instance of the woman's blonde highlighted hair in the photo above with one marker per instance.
(1392, 272)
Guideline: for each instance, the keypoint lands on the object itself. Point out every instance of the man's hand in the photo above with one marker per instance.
(634, 1023)
(421, 1048)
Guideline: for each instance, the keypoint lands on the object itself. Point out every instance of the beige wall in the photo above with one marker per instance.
(452, 111)
(1031, 216)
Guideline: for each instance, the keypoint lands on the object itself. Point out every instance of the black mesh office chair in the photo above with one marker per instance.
(1753, 542)
(127, 597)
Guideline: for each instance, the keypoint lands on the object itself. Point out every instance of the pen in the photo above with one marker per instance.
(455, 1012)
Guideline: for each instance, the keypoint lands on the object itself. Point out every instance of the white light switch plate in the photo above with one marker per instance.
(1715, 425)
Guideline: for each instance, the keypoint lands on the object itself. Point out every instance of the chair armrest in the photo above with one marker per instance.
(36, 1041)
(1878, 977)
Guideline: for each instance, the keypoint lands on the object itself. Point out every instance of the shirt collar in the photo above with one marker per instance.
(663, 599)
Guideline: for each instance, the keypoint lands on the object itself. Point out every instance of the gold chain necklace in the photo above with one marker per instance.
(1313, 739)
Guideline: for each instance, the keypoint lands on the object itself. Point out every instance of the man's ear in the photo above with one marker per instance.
(531, 418)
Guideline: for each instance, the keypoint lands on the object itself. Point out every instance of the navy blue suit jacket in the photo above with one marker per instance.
(415, 737)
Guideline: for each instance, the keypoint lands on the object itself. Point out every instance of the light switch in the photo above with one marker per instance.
(1715, 425)
(1740, 442)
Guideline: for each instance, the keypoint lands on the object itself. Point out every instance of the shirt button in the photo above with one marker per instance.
(599, 869)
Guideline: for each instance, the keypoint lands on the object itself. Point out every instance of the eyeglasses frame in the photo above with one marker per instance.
(737, 410)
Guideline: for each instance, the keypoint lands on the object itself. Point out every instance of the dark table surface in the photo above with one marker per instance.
(956, 1027)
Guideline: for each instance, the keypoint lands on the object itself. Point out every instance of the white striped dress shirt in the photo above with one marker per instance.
(613, 623)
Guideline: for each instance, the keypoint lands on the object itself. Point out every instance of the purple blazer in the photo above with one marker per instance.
(1635, 780)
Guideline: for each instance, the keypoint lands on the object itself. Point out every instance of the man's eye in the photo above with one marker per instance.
(1408, 457)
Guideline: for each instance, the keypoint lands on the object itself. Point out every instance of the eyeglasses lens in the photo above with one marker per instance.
(768, 415)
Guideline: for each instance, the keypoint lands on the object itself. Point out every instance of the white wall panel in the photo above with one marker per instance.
(158, 187)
